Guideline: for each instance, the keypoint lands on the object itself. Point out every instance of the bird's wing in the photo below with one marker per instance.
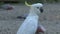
(29, 26)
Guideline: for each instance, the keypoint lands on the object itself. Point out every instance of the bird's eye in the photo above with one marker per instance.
(37, 7)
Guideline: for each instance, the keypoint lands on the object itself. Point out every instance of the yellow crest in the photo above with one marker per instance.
(27, 4)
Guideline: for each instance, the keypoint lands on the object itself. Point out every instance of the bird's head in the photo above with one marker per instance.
(38, 7)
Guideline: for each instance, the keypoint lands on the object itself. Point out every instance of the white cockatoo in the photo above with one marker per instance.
(30, 25)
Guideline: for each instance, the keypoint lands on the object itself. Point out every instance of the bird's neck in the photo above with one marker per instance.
(33, 12)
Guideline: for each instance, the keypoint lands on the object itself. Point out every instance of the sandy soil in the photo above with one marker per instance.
(50, 19)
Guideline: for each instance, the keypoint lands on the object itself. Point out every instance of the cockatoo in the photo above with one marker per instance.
(30, 24)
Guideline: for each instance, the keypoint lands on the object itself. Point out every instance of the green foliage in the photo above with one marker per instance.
(1, 3)
(42, 1)
(36, 1)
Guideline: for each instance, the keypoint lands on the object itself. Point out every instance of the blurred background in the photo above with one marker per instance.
(10, 10)
(30, 1)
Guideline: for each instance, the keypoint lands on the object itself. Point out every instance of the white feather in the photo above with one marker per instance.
(29, 26)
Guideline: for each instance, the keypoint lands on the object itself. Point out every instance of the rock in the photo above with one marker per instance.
(20, 17)
(7, 7)
(23, 16)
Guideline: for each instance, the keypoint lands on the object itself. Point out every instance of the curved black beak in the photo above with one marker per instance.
(41, 10)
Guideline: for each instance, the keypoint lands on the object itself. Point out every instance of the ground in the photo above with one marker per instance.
(50, 18)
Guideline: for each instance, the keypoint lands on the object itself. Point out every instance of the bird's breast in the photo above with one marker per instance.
(29, 26)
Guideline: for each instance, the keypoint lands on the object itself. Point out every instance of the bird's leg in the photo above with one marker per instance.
(39, 29)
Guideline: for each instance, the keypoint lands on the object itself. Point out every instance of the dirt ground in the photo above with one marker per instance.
(50, 18)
